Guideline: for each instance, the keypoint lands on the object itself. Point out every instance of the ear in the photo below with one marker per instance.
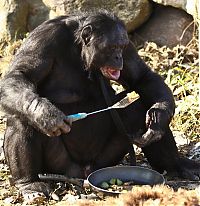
(86, 34)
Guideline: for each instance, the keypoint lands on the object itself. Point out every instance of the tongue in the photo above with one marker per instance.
(111, 73)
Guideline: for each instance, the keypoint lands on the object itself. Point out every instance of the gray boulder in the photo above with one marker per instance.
(190, 6)
(167, 26)
(13, 15)
(21, 16)
(133, 12)
(38, 13)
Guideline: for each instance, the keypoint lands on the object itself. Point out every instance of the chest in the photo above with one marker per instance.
(70, 87)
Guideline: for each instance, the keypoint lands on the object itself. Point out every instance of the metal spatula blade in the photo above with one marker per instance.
(127, 100)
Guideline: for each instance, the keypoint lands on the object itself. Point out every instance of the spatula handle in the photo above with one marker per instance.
(75, 117)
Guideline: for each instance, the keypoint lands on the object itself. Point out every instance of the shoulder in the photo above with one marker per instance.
(50, 33)
(51, 27)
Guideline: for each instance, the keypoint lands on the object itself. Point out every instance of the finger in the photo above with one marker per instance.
(142, 141)
(148, 120)
(138, 142)
(155, 136)
(49, 134)
(152, 115)
(54, 132)
(155, 117)
(57, 133)
(65, 128)
(148, 135)
(68, 121)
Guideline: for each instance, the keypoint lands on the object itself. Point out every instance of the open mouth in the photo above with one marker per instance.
(110, 73)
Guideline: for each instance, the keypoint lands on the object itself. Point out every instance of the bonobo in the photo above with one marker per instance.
(56, 73)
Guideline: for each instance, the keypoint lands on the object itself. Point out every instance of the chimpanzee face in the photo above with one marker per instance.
(103, 50)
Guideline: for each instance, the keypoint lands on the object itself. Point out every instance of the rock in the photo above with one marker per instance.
(38, 13)
(2, 114)
(133, 12)
(190, 6)
(1, 146)
(180, 138)
(13, 15)
(21, 16)
(167, 26)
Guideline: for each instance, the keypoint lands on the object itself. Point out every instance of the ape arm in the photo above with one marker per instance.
(149, 85)
(153, 91)
(19, 95)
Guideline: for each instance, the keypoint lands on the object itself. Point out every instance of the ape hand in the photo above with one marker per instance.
(148, 137)
(62, 127)
(48, 118)
(156, 121)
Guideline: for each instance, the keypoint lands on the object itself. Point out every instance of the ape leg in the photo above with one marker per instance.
(29, 153)
(23, 152)
(112, 153)
(163, 155)
(58, 161)
(133, 118)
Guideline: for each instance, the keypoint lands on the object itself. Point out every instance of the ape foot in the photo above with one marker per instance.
(188, 169)
(35, 191)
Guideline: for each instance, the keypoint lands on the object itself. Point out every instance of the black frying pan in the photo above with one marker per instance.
(139, 175)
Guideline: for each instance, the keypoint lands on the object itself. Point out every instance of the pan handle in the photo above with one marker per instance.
(63, 178)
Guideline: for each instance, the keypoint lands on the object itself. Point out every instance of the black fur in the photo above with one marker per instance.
(54, 74)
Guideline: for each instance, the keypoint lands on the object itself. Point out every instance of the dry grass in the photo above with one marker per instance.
(180, 69)
(146, 196)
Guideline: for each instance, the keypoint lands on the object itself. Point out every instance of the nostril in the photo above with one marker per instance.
(118, 58)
